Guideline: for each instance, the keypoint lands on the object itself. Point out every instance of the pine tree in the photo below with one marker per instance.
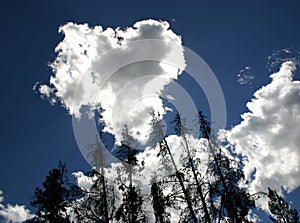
(233, 201)
(168, 159)
(159, 202)
(98, 203)
(189, 164)
(131, 207)
(280, 209)
(57, 193)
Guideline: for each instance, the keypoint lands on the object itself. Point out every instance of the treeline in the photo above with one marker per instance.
(206, 183)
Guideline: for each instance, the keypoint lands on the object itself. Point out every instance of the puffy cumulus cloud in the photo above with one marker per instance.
(123, 71)
(268, 136)
(14, 213)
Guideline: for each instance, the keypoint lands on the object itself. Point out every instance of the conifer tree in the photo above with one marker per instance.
(98, 204)
(189, 164)
(168, 158)
(159, 202)
(233, 201)
(131, 207)
(57, 194)
(280, 209)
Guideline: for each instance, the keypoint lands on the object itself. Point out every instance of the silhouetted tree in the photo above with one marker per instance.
(233, 201)
(189, 165)
(159, 202)
(280, 209)
(57, 193)
(98, 203)
(202, 191)
(167, 156)
(130, 209)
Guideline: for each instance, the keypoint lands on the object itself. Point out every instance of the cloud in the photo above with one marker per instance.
(245, 76)
(84, 67)
(83, 181)
(268, 136)
(14, 213)
(45, 91)
(280, 56)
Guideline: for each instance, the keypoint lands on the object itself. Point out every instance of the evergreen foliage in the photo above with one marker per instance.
(57, 194)
(211, 190)
(280, 209)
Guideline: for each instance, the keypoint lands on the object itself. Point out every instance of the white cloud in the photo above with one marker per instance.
(268, 136)
(87, 55)
(14, 213)
(245, 76)
(280, 56)
(45, 91)
(83, 181)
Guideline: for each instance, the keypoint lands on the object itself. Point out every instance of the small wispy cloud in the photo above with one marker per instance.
(245, 76)
(280, 56)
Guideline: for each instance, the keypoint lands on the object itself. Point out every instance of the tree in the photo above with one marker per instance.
(280, 209)
(159, 202)
(229, 200)
(235, 202)
(204, 186)
(130, 209)
(167, 156)
(189, 165)
(98, 203)
(57, 193)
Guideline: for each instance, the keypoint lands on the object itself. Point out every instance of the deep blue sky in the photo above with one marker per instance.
(228, 35)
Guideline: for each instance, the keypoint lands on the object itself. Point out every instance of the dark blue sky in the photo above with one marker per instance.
(228, 35)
